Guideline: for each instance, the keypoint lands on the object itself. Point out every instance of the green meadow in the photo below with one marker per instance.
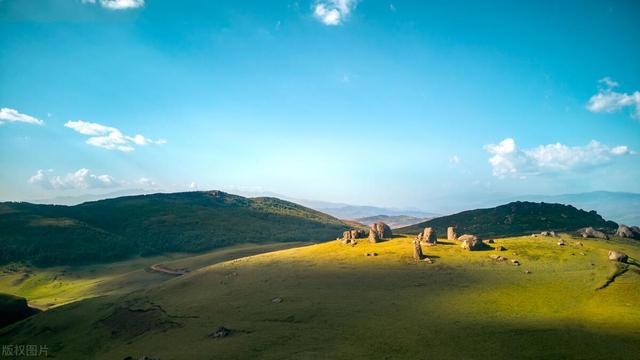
(330, 301)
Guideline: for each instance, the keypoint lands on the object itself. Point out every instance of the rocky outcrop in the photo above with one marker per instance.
(13, 309)
(379, 231)
(590, 232)
(428, 236)
(628, 232)
(618, 256)
(471, 242)
(451, 233)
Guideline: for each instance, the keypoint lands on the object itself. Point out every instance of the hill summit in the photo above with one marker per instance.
(515, 218)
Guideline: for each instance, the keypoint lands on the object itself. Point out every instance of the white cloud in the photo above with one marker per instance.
(146, 182)
(11, 115)
(193, 185)
(608, 100)
(117, 4)
(508, 160)
(333, 12)
(455, 160)
(109, 137)
(81, 179)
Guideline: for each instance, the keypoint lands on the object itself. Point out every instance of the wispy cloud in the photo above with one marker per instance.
(507, 160)
(81, 179)
(109, 137)
(11, 115)
(117, 4)
(333, 12)
(608, 100)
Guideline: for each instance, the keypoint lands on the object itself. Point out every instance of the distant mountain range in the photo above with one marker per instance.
(621, 207)
(394, 221)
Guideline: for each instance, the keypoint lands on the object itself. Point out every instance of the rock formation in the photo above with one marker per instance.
(417, 250)
(451, 233)
(350, 236)
(471, 242)
(618, 256)
(628, 232)
(379, 231)
(428, 236)
(590, 232)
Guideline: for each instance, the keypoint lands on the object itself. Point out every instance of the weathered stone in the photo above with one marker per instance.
(561, 243)
(548, 233)
(451, 233)
(379, 231)
(515, 262)
(428, 236)
(490, 241)
(350, 236)
(276, 300)
(471, 242)
(618, 256)
(497, 257)
(628, 232)
(590, 232)
(500, 248)
(417, 250)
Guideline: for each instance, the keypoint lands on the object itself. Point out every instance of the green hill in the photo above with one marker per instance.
(516, 218)
(119, 228)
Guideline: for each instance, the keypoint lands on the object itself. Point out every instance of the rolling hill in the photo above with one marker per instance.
(119, 228)
(328, 301)
(516, 218)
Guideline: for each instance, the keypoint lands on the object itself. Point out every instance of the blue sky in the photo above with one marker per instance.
(369, 102)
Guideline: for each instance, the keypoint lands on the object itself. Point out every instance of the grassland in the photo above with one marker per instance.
(49, 287)
(339, 304)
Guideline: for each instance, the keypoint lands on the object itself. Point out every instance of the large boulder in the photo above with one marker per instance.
(590, 232)
(471, 242)
(451, 233)
(628, 232)
(618, 256)
(428, 236)
(378, 231)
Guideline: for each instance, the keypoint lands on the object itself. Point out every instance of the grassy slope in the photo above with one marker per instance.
(49, 287)
(120, 228)
(513, 219)
(339, 304)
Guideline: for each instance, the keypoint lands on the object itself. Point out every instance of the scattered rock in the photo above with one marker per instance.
(500, 248)
(497, 257)
(561, 243)
(428, 236)
(276, 300)
(515, 262)
(221, 332)
(527, 272)
(548, 233)
(451, 233)
(579, 243)
(583, 254)
(374, 254)
(471, 242)
(590, 232)
(417, 250)
(618, 256)
(427, 260)
(628, 232)
(379, 231)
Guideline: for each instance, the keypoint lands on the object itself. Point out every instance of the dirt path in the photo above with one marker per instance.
(165, 270)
